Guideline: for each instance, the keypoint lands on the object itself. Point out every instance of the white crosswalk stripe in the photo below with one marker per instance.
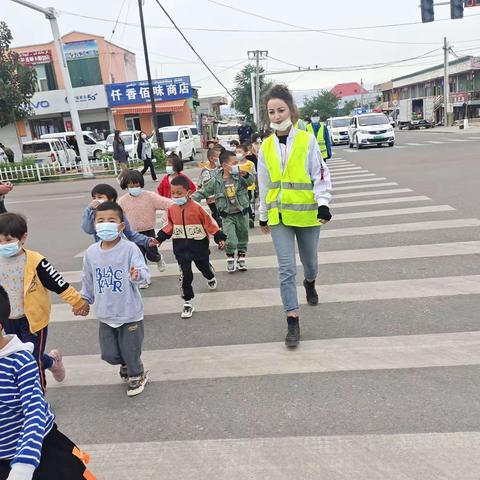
(375, 249)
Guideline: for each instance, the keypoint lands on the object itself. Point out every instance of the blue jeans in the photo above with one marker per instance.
(284, 243)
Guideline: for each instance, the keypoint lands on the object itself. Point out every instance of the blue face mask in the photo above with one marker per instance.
(9, 249)
(169, 169)
(107, 231)
(135, 191)
(235, 170)
(180, 200)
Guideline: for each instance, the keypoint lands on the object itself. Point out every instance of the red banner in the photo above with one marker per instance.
(36, 58)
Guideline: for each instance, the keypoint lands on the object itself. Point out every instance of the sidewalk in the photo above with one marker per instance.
(473, 130)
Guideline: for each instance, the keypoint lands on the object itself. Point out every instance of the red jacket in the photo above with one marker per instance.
(163, 188)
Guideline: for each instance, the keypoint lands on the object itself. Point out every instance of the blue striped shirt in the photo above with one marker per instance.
(25, 416)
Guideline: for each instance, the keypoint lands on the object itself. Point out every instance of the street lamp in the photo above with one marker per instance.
(50, 14)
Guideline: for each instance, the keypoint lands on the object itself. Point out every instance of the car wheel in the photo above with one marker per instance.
(391, 144)
(357, 144)
(97, 154)
(192, 156)
(350, 144)
(180, 155)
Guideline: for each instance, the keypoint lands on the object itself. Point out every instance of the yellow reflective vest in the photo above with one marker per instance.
(320, 138)
(291, 192)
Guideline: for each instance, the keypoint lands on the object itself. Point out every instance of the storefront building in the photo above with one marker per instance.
(464, 79)
(175, 103)
(92, 62)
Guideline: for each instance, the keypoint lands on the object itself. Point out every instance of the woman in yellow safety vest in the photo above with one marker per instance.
(294, 184)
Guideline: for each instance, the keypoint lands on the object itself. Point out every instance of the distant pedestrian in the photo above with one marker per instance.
(190, 226)
(141, 206)
(5, 188)
(320, 132)
(207, 173)
(174, 168)
(244, 132)
(113, 269)
(295, 186)
(144, 152)
(119, 153)
(247, 165)
(8, 152)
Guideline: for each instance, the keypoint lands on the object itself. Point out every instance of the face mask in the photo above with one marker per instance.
(107, 231)
(234, 170)
(217, 163)
(135, 191)
(315, 119)
(240, 156)
(282, 127)
(180, 200)
(9, 249)
(169, 169)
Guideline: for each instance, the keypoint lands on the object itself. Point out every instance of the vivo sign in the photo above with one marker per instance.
(55, 101)
(40, 104)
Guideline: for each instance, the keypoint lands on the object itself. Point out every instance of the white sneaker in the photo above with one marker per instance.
(241, 264)
(144, 286)
(212, 284)
(231, 265)
(57, 369)
(187, 311)
(161, 265)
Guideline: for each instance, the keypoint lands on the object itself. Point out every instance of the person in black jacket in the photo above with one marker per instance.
(119, 153)
(144, 152)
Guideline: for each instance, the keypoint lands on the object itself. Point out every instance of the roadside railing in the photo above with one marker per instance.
(38, 172)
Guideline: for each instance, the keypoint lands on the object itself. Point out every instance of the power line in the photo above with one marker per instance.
(193, 49)
(117, 20)
(242, 30)
(221, 71)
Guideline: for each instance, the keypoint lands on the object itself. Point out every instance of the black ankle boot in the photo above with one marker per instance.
(312, 295)
(293, 335)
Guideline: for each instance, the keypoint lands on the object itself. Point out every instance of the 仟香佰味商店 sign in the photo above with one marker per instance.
(131, 93)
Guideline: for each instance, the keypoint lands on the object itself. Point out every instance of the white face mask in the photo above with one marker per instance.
(315, 119)
(240, 156)
(282, 127)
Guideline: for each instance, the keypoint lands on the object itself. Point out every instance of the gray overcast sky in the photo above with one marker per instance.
(224, 50)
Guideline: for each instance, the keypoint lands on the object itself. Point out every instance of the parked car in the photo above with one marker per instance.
(95, 148)
(370, 129)
(49, 150)
(129, 137)
(424, 124)
(338, 129)
(179, 140)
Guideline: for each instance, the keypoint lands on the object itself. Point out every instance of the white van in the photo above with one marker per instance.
(197, 139)
(129, 137)
(370, 129)
(95, 148)
(226, 132)
(178, 140)
(338, 129)
(49, 150)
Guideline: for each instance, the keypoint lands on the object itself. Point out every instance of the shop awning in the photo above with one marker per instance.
(169, 106)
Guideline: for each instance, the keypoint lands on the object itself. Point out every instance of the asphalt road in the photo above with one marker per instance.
(385, 385)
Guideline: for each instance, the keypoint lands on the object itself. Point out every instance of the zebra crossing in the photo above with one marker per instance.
(424, 142)
(365, 396)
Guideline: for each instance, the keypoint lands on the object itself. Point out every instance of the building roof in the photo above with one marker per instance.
(432, 69)
(348, 89)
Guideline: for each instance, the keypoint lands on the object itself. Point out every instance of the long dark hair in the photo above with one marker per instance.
(283, 93)
(117, 137)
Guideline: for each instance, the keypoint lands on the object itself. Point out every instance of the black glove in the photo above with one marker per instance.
(263, 223)
(324, 213)
(219, 236)
(162, 236)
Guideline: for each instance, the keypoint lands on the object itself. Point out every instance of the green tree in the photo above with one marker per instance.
(347, 108)
(325, 102)
(17, 82)
(243, 92)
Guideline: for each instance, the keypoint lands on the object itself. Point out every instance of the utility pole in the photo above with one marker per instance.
(361, 93)
(257, 55)
(159, 137)
(446, 85)
(254, 103)
(51, 15)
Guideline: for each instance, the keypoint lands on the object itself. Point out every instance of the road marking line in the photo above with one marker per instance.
(399, 146)
(473, 138)
(370, 457)
(314, 356)
(381, 201)
(455, 139)
(344, 169)
(375, 192)
(343, 182)
(392, 212)
(356, 187)
(344, 177)
(435, 142)
(334, 257)
(55, 199)
(416, 144)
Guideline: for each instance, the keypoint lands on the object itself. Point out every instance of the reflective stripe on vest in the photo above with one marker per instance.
(290, 193)
(320, 138)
